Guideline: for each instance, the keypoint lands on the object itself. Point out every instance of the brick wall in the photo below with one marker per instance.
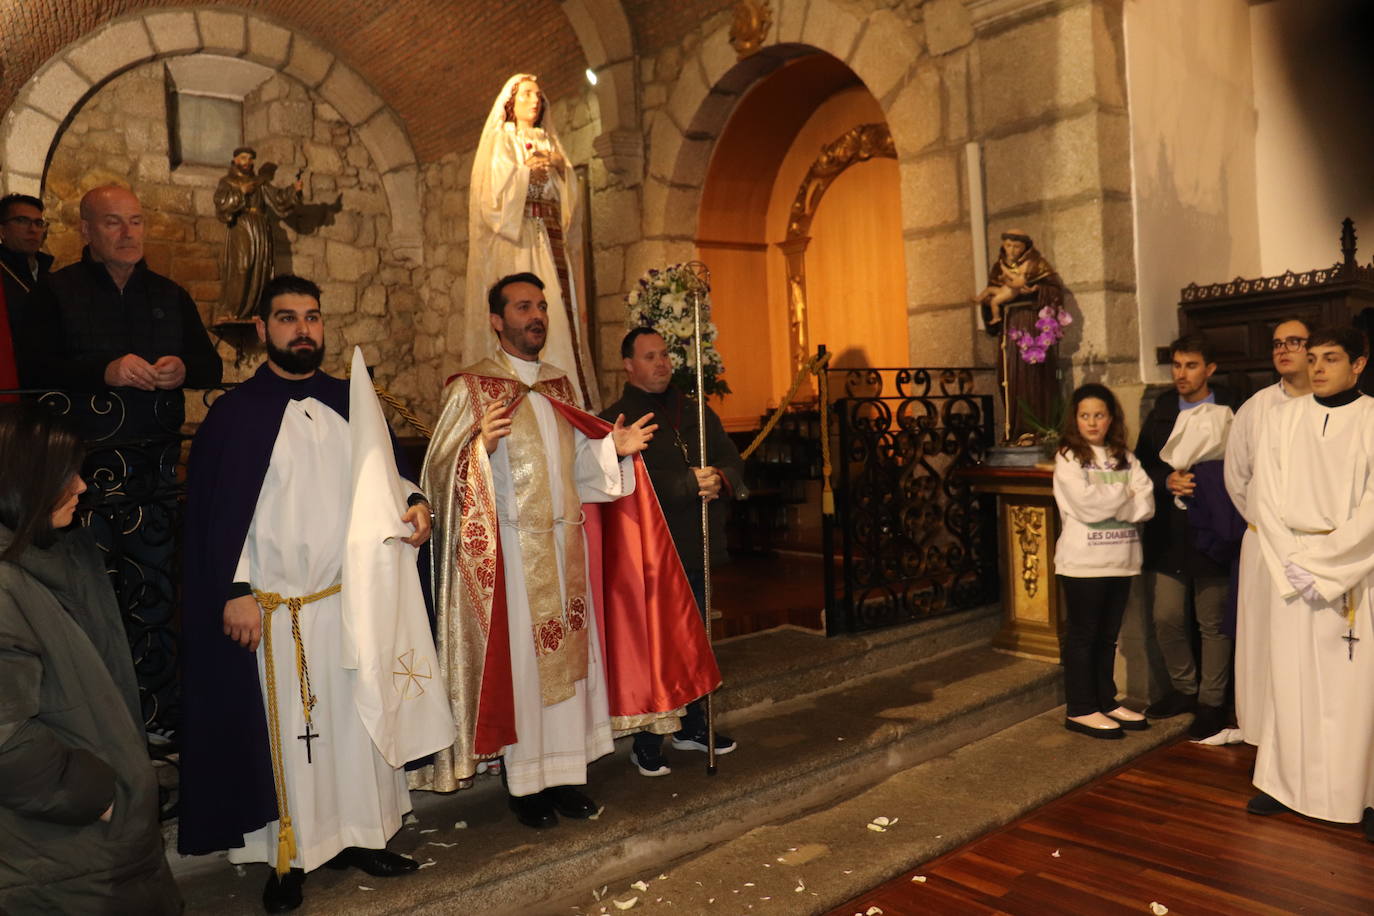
(438, 63)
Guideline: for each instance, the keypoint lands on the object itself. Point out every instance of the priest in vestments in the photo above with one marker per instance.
(1253, 583)
(306, 645)
(1313, 501)
(564, 612)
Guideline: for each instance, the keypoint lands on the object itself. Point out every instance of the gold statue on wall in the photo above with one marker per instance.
(749, 29)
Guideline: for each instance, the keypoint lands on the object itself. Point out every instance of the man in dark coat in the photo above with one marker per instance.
(110, 322)
(680, 484)
(1176, 565)
(22, 267)
(125, 340)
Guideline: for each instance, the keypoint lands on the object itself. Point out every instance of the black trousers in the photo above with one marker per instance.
(1094, 608)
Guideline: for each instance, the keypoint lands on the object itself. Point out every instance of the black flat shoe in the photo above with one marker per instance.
(569, 802)
(1131, 725)
(1265, 805)
(283, 894)
(1367, 822)
(379, 863)
(1106, 733)
(533, 810)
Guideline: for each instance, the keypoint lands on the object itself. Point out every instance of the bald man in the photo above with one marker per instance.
(110, 322)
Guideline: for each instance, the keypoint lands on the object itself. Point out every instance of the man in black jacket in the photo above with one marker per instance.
(22, 231)
(680, 483)
(1176, 567)
(22, 266)
(124, 341)
(110, 322)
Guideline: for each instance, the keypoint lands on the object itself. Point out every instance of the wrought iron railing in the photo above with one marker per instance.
(133, 505)
(913, 540)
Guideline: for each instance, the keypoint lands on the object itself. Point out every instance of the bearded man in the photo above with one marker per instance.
(306, 645)
(564, 612)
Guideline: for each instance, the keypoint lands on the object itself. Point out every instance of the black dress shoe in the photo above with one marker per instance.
(379, 863)
(1171, 704)
(1107, 733)
(533, 810)
(1266, 805)
(569, 802)
(1367, 822)
(283, 894)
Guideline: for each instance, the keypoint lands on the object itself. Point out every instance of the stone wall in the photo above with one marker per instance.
(337, 239)
(1040, 88)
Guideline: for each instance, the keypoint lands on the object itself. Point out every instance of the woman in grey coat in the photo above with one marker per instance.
(78, 798)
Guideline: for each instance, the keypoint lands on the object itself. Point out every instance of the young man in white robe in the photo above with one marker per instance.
(302, 588)
(1313, 500)
(1253, 582)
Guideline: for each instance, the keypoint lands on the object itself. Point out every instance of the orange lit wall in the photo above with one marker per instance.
(855, 267)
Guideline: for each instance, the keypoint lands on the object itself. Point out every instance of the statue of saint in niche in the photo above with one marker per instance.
(247, 201)
(1023, 305)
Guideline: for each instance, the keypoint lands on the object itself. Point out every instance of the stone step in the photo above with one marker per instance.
(815, 863)
(796, 755)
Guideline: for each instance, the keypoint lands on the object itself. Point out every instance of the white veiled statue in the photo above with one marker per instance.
(521, 207)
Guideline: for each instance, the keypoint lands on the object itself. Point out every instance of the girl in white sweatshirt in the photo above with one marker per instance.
(1103, 495)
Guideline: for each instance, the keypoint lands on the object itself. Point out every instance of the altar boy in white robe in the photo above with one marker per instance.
(306, 647)
(1253, 583)
(1313, 500)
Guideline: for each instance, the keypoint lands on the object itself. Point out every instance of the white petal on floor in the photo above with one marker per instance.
(1056, 854)
(625, 904)
(1158, 909)
(918, 879)
(444, 845)
(640, 886)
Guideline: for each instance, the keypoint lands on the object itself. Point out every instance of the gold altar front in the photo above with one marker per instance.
(1027, 528)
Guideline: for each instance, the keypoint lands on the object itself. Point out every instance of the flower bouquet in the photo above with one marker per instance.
(661, 300)
(1049, 328)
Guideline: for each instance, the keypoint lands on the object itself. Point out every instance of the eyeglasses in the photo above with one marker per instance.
(25, 222)
(1289, 343)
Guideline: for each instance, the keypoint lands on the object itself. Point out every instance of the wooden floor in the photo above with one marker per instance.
(1171, 828)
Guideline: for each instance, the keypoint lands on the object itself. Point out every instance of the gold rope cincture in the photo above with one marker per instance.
(269, 602)
(816, 365)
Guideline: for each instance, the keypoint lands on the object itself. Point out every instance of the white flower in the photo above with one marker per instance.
(633, 297)
(675, 357)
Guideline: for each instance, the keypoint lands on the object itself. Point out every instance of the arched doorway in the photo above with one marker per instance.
(852, 296)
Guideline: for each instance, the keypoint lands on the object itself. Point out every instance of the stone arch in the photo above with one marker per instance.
(34, 123)
(607, 41)
(881, 48)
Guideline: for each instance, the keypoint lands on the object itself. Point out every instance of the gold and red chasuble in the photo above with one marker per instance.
(657, 655)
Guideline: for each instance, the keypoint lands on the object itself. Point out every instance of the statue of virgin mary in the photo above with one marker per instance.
(521, 207)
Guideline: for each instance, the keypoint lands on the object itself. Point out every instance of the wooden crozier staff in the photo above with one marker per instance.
(699, 283)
